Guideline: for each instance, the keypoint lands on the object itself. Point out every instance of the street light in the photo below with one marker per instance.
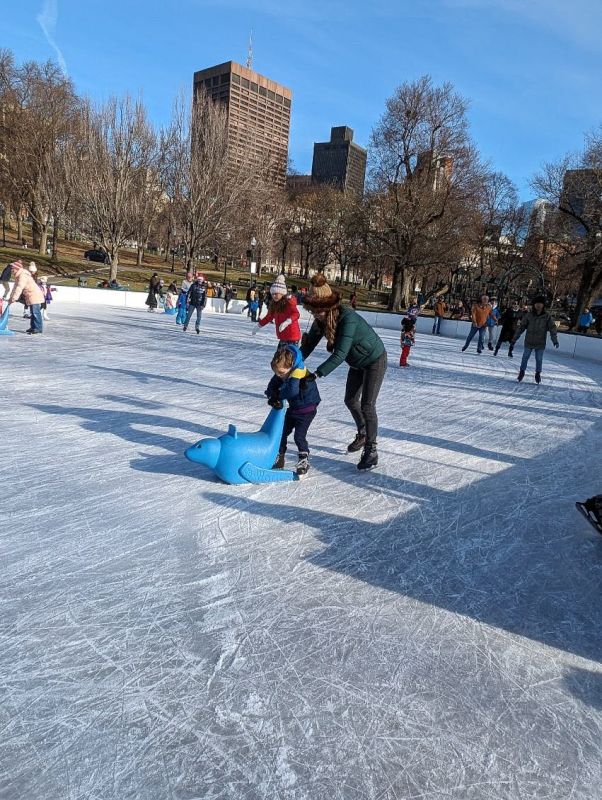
(253, 262)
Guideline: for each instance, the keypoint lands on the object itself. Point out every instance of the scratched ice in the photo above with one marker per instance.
(428, 630)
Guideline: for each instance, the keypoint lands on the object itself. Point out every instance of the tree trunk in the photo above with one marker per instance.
(140, 256)
(583, 293)
(407, 288)
(19, 228)
(395, 297)
(55, 238)
(114, 264)
(43, 238)
(36, 232)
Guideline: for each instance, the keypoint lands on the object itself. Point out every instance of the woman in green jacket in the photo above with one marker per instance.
(349, 338)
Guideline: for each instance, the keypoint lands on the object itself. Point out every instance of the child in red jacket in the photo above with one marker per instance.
(284, 313)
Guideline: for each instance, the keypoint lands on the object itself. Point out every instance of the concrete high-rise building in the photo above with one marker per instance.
(340, 161)
(259, 114)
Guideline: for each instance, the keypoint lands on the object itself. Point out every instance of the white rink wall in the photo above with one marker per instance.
(571, 345)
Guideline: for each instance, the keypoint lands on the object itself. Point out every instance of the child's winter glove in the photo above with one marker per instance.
(275, 402)
(310, 376)
(284, 325)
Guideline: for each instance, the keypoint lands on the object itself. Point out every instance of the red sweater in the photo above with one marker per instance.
(292, 332)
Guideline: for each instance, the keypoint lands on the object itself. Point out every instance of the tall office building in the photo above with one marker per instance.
(259, 113)
(340, 161)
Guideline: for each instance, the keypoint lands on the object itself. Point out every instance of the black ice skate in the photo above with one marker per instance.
(303, 464)
(592, 511)
(521, 375)
(489, 346)
(369, 458)
(279, 463)
(538, 377)
(357, 443)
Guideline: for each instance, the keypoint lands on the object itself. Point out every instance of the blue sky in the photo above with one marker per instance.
(530, 68)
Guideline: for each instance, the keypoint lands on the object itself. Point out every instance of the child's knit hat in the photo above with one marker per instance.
(279, 286)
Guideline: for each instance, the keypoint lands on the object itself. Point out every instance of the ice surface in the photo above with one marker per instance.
(427, 630)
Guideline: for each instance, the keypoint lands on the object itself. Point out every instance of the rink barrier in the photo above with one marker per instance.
(571, 345)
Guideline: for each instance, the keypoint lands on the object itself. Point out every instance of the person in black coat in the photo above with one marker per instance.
(510, 320)
(196, 300)
(154, 287)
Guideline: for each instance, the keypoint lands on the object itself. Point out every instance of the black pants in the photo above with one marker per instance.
(505, 336)
(361, 392)
(300, 424)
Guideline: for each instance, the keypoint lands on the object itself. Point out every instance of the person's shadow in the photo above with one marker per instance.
(506, 550)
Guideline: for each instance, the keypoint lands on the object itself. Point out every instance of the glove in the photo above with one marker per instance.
(284, 325)
(275, 402)
(556, 345)
(310, 376)
(254, 331)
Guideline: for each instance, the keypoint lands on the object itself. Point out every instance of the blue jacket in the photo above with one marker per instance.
(494, 317)
(299, 392)
(585, 320)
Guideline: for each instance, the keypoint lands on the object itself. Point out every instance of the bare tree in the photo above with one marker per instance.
(38, 108)
(116, 167)
(423, 174)
(206, 188)
(574, 185)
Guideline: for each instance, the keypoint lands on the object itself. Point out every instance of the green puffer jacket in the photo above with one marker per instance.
(537, 327)
(355, 342)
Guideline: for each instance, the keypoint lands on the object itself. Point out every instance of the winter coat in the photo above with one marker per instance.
(151, 298)
(493, 317)
(537, 327)
(440, 308)
(6, 276)
(292, 331)
(301, 394)
(585, 320)
(197, 295)
(26, 289)
(407, 339)
(355, 342)
(413, 311)
(480, 315)
(509, 321)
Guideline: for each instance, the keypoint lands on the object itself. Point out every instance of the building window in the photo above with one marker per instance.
(235, 78)
(225, 78)
(271, 95)
(215, 80)
(245, 82)
(287, 102)
(254, 86)
(262, 91)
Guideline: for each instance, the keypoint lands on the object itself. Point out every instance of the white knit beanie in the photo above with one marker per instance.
(279, 286)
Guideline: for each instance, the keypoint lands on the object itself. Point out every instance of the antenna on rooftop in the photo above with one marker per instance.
(250, 52)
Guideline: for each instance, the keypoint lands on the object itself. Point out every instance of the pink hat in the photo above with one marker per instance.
(17, 265)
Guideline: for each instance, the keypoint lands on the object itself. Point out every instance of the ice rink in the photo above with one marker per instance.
(431, 629)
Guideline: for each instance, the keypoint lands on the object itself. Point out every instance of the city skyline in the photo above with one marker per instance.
(528, 72)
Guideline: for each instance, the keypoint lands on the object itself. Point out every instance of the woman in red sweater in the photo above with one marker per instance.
(284, 313)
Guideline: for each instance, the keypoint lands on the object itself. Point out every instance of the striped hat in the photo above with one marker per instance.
(279, 286)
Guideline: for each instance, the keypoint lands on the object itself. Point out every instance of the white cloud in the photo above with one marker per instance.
(47, 19)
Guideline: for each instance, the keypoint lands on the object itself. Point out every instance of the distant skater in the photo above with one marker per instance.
(537, 323)
(510, 320)
(480, 313)
(408, 339)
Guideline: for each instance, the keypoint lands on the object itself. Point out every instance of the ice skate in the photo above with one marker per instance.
(538, 377)
(369, 458)
(592, 511)
(357, 443)
(279, 463)
(521, 375)
(489, 346)
(303, 464)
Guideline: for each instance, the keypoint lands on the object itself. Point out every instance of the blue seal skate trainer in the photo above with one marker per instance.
(4, 331)
(245, 457)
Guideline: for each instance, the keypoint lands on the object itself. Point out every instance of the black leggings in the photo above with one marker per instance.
(361, 393)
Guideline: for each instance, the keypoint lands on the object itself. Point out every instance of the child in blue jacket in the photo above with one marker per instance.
(294, 383)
